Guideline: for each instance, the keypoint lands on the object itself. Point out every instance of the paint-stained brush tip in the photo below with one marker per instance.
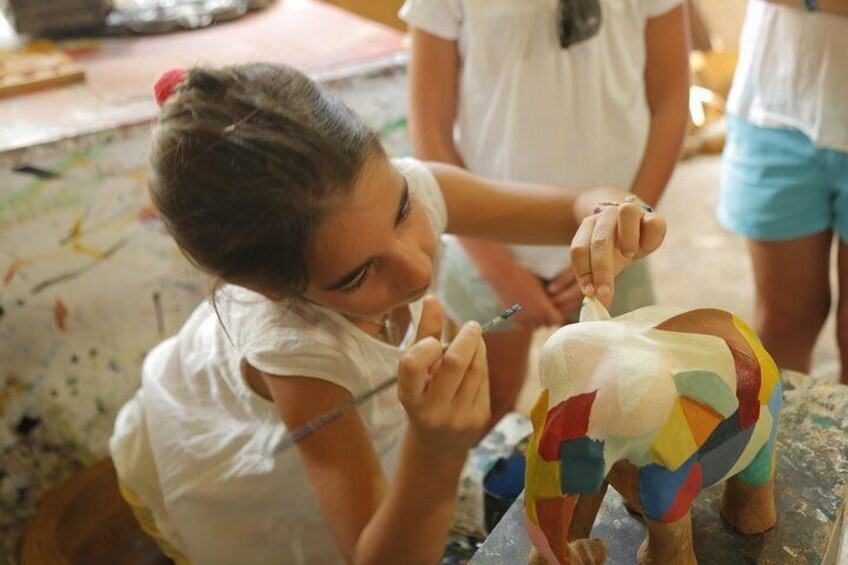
(512, 310)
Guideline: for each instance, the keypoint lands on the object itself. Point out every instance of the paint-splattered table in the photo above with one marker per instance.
(812, 475)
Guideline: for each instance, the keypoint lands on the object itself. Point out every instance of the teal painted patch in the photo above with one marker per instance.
(581, 466)
(707, 388)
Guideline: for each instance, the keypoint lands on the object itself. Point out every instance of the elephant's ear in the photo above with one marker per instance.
(593, 311)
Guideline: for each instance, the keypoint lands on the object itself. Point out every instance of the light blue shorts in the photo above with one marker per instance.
(776, 185)
(466, 296)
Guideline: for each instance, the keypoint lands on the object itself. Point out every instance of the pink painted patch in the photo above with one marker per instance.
(539, 541)
(567, 420)
(687, 493)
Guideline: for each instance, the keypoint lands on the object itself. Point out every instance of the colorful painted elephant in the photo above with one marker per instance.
(660, 403)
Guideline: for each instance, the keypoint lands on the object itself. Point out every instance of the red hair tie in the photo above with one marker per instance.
(166, 83)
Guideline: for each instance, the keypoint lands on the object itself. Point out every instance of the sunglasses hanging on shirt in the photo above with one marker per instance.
(578, 20)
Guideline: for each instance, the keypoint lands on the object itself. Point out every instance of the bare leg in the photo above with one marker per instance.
(748, 509)
(842, 310)
(667, 543)
(507, 353)
(793, 296)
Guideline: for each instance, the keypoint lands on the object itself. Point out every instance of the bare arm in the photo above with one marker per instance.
(667, 89)
(601, 243)
(375, 521)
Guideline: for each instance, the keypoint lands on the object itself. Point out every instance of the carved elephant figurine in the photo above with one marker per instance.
(660, 403)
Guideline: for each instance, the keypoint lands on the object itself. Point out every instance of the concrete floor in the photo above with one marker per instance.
(700, 265)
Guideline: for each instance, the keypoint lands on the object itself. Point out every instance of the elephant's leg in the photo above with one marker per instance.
(668, 543)
(624, 478)
(748, 508)
(747, 500)
(585, 513)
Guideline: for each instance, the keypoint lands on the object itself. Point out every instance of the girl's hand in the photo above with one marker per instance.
(520, 286)
(607, 241)
(446, 396)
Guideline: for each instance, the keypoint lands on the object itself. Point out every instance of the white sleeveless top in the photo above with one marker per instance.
(194, 441)
(529, 110)
(793, 72)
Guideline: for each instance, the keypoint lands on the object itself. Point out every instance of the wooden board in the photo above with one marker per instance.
(22, 72)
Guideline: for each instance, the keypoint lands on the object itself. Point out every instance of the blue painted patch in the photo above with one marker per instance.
(716, 463)
(582, 466)
(658, 487)
(776, 400)
(723, 432)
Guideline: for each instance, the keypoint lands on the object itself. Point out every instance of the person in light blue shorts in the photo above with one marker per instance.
(784, 181)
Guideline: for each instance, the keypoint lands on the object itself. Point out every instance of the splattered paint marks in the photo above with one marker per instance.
(26, 424)
(60, 314)
(160, 318)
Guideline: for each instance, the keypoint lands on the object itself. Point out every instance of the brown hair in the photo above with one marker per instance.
(245, 163)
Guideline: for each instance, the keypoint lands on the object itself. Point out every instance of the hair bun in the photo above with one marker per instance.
(166, 83)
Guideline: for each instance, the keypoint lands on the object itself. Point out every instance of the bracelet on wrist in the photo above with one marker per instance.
(632, 199)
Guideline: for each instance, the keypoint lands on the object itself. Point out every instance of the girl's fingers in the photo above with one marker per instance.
(653, 230)
(455, 363)
(581, 258)
(602, 253)
(432, 319)
(414, 368)
(478, 371)
(629, 229)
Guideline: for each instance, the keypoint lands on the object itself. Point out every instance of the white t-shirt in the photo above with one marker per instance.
(793, 72)
(532, 111)
(194, 442)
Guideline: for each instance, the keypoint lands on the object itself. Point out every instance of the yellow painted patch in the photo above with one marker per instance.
(539, 412)
(702, 419)
(769, 373)
(674, 444)
(542, 478)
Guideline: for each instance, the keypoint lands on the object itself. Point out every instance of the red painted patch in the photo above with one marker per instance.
(687, 493)
(567, 420)
(718, 323)
(747, 387)
(60, 314)
(554, 516)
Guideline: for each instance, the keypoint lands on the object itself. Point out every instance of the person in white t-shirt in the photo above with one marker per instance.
(573, 92)
(784, 174)
(324, 248)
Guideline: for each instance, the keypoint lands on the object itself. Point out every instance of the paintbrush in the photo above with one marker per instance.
(308, 428)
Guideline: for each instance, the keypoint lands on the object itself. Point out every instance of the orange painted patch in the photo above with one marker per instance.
(554, 516)
(60, 314)
(701, 418)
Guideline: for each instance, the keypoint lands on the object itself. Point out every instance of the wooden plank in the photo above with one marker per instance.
(22, 72)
